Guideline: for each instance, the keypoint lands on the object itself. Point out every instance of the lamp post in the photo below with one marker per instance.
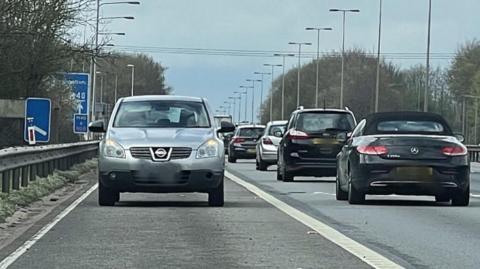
(427, 82)
(299, 66)
(283, 80)
(97, 49)
(133, 77)
(271, 93)
(229, 106)
(377, 83)
(234, 105)
(318, 29)
(261, 90)
(246, 99)
(344, 11)
(240, 104)
(253, 95)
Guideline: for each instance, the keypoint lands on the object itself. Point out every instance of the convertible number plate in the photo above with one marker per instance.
(415, 172)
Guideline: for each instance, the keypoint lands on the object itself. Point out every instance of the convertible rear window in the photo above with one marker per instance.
(405, 126)
(162, 114)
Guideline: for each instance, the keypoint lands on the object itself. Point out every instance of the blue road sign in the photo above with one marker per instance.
(38, 115)
(80, 123)
(80, 85)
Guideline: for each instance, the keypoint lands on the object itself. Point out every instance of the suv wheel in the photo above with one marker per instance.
(286, 176)
(461, 198)
(107, 196)
(279, 176)
(216, 196)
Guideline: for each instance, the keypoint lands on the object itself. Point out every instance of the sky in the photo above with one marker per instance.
(268, 25)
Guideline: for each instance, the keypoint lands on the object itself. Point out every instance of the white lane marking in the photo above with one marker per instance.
(365, 254)
(28, 244)
(474, 195)
(326, 193)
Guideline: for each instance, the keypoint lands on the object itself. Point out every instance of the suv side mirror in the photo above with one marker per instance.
(460, 138)
(97, 126)
(226, 127)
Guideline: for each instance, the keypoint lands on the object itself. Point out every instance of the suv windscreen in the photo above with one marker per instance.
(318, 122)
(250, 132)
(162, 114)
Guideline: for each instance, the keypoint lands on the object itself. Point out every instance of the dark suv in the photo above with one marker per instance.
(244, 141)
(311, 142)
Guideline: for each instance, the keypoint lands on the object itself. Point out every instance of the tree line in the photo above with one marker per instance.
(453, 89)
(37, 42)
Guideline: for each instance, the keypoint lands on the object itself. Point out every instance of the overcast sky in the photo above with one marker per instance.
(270, 24)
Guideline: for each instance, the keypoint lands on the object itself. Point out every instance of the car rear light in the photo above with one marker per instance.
(297, 135)
(372, 150)
(454, 151)
(237, 140)
(267, 141)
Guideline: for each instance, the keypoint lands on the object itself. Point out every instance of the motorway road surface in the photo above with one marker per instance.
(181, 231)
(414, 232)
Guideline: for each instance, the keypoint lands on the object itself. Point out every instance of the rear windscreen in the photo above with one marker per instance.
(314, 122)
(277, 128)
(250, 132)
(405, 126)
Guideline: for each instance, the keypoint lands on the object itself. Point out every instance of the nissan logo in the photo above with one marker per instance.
(161, 153)
(414, 150)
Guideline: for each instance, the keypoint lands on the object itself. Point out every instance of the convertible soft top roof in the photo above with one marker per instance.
(375, 118)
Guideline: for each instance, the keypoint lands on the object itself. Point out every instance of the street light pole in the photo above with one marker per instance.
(133, 77)
(271, 93)
(261, 90)
(427, 82)
(283, 81)
(344, 11)
(239, 105)
(318, 29)
(246, 99)
(96, 49)
(299, 66)
(234, 106)
(253, 96)
(377, 84)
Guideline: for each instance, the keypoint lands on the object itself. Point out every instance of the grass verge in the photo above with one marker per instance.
(10, 202)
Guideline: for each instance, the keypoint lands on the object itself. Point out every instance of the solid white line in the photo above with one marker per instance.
(365, 254)
(474, 195)
(28, 244)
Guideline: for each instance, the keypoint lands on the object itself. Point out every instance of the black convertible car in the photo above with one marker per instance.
(408, 153)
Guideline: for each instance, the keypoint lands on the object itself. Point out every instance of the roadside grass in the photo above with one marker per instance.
(10, 202)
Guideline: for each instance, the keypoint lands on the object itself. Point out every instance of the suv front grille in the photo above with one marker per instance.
(144, 153)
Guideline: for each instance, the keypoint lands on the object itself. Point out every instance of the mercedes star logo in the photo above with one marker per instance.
(161, 153)
(414, 150)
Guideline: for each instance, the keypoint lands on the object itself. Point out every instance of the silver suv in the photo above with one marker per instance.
(161, 144)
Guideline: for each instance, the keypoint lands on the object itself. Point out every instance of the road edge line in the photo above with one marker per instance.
(10, 259)
(362, 252)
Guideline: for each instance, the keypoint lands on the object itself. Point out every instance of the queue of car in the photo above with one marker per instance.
(175, 144)
(406, 153)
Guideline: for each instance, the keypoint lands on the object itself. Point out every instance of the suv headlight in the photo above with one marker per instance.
(113, 149)
(208, 149)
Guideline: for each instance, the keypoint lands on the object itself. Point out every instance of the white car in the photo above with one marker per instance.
(267, 145)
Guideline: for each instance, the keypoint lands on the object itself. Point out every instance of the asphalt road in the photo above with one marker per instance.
(181, 231)
(414, 232)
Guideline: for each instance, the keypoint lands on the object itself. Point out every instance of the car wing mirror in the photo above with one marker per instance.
(226, 127)
(97, 126)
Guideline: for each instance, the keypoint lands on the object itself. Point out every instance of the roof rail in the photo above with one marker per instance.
(300, 108)
(347, 109)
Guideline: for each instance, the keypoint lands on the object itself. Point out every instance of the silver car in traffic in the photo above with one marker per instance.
(161, 144)
(267, 145)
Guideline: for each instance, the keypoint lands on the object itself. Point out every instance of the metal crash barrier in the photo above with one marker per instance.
(474, 152)
(21, 165)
